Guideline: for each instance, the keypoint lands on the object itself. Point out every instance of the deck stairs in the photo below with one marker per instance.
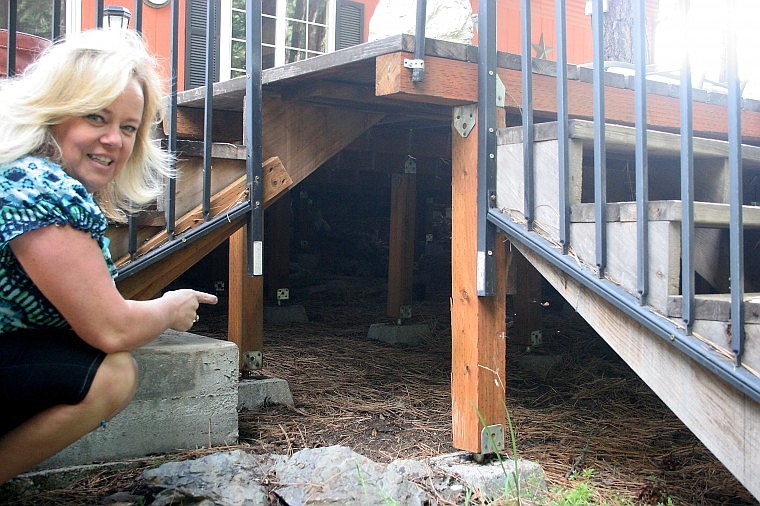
(716, 398)
(159, 257)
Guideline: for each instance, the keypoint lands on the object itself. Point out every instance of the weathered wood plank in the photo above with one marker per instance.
(717, 307)
(706, 214)
(701, 400)
(622, 139)
(478, 328)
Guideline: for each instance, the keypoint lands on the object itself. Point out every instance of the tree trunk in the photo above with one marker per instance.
(618, 31)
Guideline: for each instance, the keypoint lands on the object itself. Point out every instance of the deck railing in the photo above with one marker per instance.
(252, 208)
(491, 219)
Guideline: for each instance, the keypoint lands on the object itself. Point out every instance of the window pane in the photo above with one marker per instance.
(296, 35)
(267, 57)
(237, 60)
(317, 38)
(318, 11)
(268, 7)
(31, 18)
(292, 55)
(268, 30)
(297, 9)
(239, 4)
(237, 73)
(238, 24)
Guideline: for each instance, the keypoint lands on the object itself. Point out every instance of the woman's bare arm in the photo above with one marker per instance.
(67, 266)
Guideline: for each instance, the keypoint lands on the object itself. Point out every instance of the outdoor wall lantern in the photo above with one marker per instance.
(116, 17)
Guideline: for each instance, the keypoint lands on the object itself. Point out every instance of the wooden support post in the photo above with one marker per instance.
(246, 301)
(401, 248)
(478, 324)
(524, 283)
(277, 245)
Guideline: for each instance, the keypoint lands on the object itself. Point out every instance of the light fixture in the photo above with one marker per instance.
(116, 17)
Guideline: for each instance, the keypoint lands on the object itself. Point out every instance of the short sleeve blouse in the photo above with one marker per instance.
(35, 193)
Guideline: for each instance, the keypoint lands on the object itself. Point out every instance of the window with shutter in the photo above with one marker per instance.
(349, 24)
(195, 45)
(291, 30)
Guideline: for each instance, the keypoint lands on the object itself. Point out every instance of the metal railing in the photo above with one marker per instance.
(490, 218)
(252, 209)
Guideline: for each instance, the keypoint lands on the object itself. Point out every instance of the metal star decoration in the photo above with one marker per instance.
(541, 49)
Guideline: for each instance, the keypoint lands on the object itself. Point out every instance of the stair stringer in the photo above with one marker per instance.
(724, 419)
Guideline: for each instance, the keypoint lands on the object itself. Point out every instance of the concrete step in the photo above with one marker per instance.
(187, 398)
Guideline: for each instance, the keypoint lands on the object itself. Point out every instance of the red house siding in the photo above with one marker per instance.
(156, 23)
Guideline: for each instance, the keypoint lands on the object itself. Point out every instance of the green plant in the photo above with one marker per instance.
(513, 441)
(387, 499)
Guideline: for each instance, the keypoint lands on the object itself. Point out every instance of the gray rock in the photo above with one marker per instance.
(336, 475)
(227, 478)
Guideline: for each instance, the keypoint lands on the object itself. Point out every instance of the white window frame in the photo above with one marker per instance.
(225, 34)
(73, 16)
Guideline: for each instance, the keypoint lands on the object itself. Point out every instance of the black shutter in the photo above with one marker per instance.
(195, 43)
(349, 24)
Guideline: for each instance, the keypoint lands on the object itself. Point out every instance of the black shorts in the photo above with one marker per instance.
(43, 368)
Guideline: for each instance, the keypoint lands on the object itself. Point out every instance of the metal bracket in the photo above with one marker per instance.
(414, 64)
(410, 165)
(536, 337)
(405, 311)
(464, 118)
(492, 439)
(501, 92)
(283, 294)
(253, 360)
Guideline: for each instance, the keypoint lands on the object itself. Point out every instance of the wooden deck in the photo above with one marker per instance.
(362, 99)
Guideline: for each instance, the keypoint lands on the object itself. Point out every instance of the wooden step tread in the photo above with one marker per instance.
(716, 307)
(622, 139)
(706, 214)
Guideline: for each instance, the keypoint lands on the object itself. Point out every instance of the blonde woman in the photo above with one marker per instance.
(75, 148)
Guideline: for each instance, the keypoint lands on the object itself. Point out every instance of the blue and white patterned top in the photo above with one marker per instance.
(35, 193)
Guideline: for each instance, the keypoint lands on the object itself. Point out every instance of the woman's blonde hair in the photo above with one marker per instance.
(78, 76)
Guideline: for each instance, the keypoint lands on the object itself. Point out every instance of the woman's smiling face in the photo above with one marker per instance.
(95, 147)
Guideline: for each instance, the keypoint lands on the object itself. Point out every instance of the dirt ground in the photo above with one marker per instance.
(588, 414)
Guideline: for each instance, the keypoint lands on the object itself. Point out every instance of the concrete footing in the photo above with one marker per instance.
(410, 334)
(255, 392)
(285, 314)
(187, 398)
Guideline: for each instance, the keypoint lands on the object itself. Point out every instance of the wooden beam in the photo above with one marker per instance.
(453, 82)
(526, 298)
(304, 136)
(227, 125)
(277, 246)
(245, 324)
(401, 247)
(478, 329)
